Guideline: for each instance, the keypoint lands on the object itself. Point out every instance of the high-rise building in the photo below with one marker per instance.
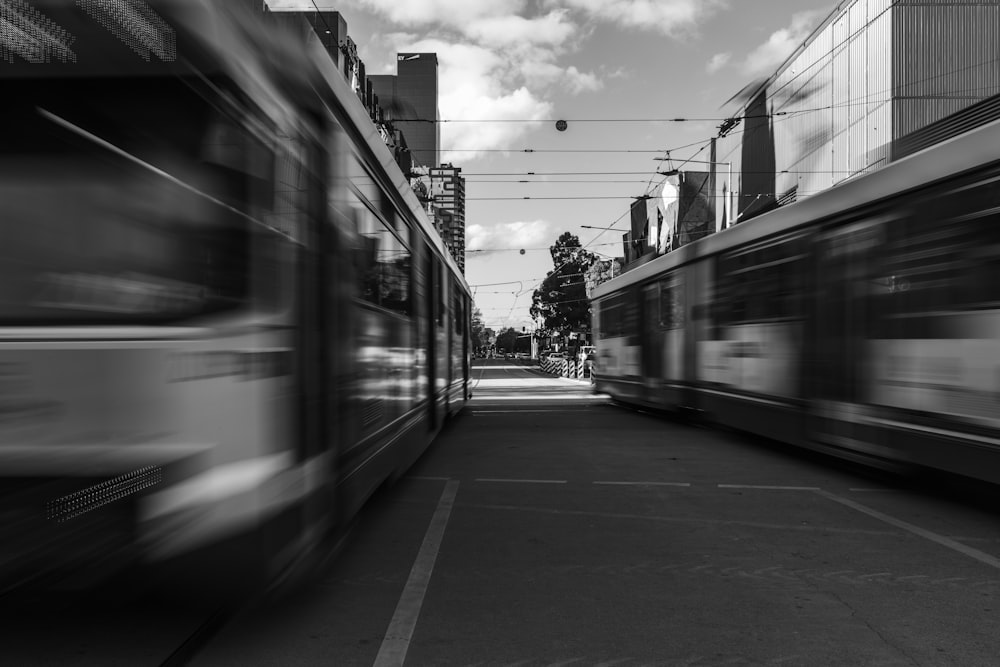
(448, 199)
(410, 100)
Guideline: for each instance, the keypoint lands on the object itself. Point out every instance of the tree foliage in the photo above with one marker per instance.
(478, 330)
(507, 339)
(561, 300)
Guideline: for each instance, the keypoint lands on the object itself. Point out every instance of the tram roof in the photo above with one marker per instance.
(361, 122)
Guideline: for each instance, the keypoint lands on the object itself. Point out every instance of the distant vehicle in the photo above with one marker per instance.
(509, 355)
(556, 356)
(586, 350)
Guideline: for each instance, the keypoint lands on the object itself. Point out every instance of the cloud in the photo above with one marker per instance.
(483, 239)
(769, 55)
(552, 29)
(717, 62)
(669, 17)
(503, 59)
(542, 75)
(452, 13)
(477, 83)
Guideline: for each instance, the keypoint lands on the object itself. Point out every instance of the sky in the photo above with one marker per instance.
(617, 71)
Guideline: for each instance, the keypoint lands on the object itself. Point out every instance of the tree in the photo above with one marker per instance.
(561, 300)
(478, 330)
(507, 339)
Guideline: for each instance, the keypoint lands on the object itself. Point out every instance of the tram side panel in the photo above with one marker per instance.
(619, 352)
(442, 342)
(662, 341)
(457, 350)
(927, 347)
(750, 360)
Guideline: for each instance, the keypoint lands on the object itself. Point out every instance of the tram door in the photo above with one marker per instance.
(847, 270)
(651, 339)
(431, 290)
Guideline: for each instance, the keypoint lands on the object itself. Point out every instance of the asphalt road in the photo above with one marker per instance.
(549, 527)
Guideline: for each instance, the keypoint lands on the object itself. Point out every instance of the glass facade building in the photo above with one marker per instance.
(872, 73)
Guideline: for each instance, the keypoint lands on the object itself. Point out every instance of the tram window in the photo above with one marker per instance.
(458, 313)
(608, 318)
(671, 303)
(618, 315)
(760, 284)
(365, 184)
(383, 262)
(939, 265)
(96, 236)
(442, 295)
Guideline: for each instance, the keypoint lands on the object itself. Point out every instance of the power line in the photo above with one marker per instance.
(550, 150)
(568, 120)
(573, 180)
(546, 198)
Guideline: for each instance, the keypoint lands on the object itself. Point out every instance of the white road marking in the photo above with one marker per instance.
(865, 489)
(768, 488)
(540, 397)
(508, 412)
(522, 481)
(643, 483)
(982, 557)
(676, 519)
(392, 652)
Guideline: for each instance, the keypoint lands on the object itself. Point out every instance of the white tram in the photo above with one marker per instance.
(225, 319)
(863, 322)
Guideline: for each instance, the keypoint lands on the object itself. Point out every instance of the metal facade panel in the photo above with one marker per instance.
(858, 77)
(816, 170)
(842, 83)
(879, 138)
(878, 58)
(841, 158)
(945, 57)
(805, 84)
(857, 136)
(915, 113)
(857, 15)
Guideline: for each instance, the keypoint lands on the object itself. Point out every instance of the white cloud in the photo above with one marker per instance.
(717, 62)
(453, 13)
(502, 59)
(580, 82)
(552, 29)
(508, 236)
(540, 75)
(669, 17)
(769, 55)
(475, 83)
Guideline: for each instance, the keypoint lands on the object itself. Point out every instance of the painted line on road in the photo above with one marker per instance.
(982, 557)
(768, 487)
(642, 483)
(540, 397)
(617, 516)
(392, 652)
(508, 412)
(521, 481)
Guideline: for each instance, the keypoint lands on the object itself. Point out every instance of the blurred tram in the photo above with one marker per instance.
(863, 322)
(226, 319)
